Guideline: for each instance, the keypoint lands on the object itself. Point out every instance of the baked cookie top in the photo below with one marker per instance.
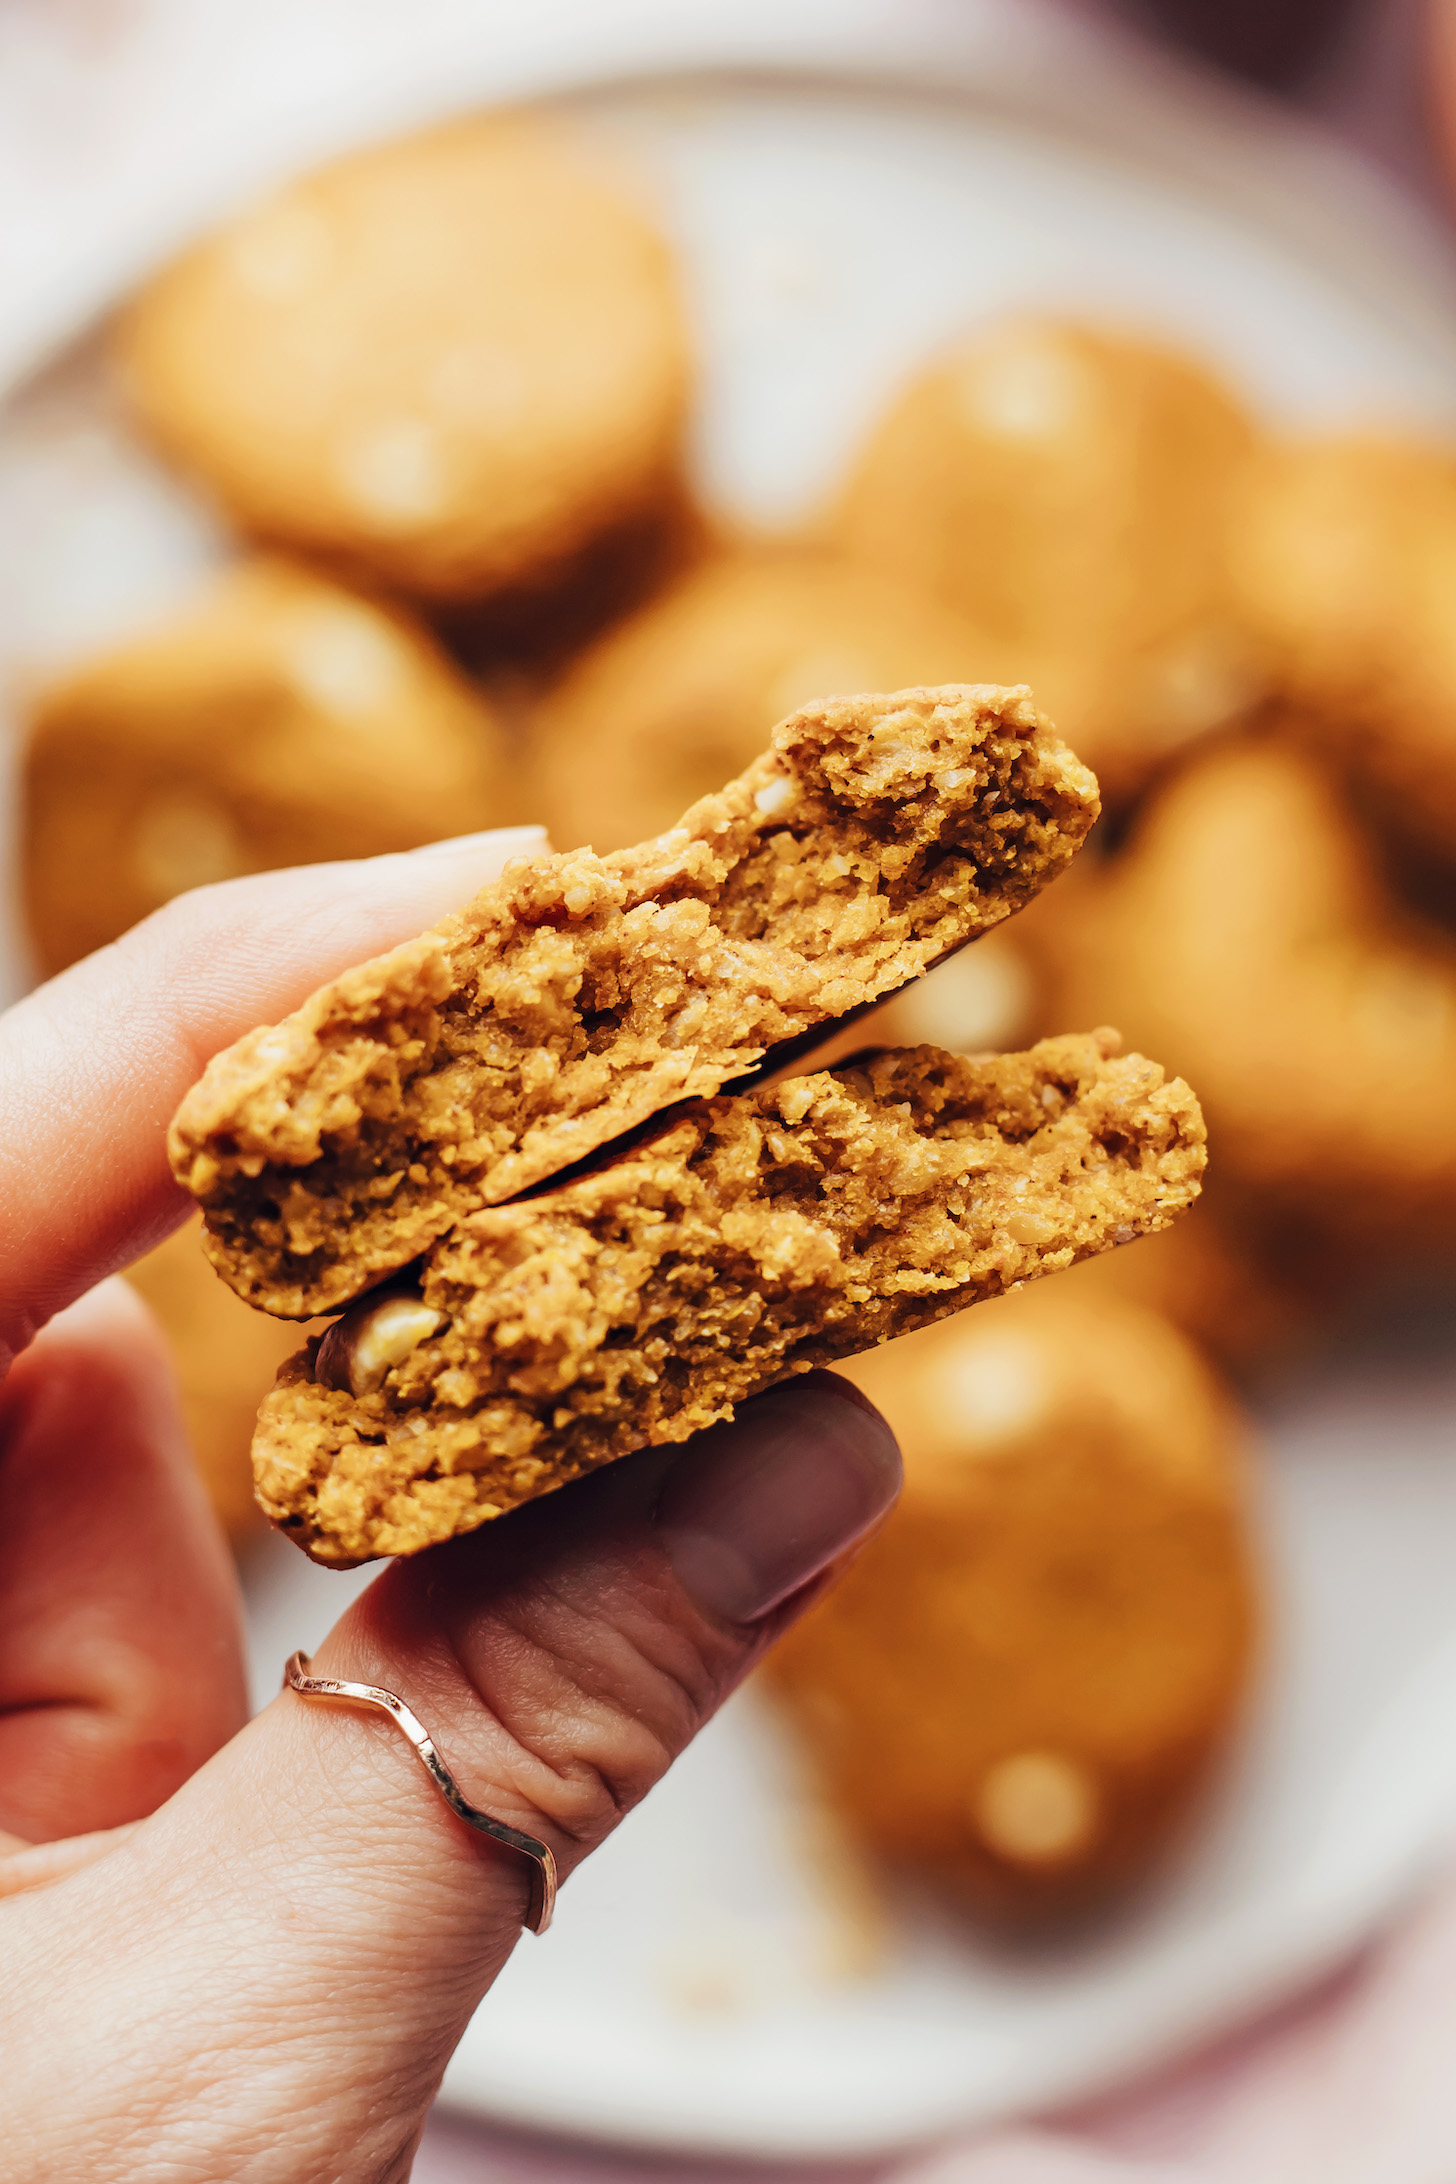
(445, 361)
(579, 995)
(1073, 491)
(747, 1239)
(684, 693)
(1248, 935)
(271, 720)
(1021, 1682)
(1345, 556)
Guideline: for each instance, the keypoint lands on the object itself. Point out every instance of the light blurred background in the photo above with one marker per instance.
(418, 421)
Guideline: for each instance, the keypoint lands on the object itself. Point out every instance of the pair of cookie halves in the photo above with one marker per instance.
(545, 1163)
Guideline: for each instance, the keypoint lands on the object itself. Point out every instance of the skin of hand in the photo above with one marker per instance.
(244, 1950)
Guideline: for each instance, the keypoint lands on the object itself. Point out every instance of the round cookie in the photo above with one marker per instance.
(1251, 1293)
(1071, 491)
(1020, 1685)
(278, 720)
(1245, 938)
(226, 1356)
(449, 362)
(683, 695)
(1249, 1290)
(1346, 556)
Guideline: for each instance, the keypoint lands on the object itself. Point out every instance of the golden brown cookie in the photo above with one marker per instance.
(683, 694)
(225, 1357)
(1252, 1290)
(1021, 1683)
(278, 720)
(580, 995)
(745, 1240)
(1245, 937)
(447, 362)
(1347, 560)
(1252, 1293)
(1070, 491)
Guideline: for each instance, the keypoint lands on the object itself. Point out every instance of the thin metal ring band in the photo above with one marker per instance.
(542, 1902)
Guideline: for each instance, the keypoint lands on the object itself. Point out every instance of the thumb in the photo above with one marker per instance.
(307, 1906)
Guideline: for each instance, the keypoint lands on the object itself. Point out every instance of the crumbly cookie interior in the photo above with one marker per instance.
(581, 995)
(751, 1239)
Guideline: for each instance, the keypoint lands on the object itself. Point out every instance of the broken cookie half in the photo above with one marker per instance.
(580, 995)
(749, 1239)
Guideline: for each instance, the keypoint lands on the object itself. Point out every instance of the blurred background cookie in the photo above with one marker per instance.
(448, 362)
(225, 1356)
(1254, 1294)
(1070, 491)
(681, 696)
(1245, 936)
(1019, 1687)
(1254, 1290)
(1346, 555)
(278, 720)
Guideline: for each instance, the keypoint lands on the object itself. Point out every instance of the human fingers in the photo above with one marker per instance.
(93, 1064)
(329, 1926)
(36, 1865)
(120, 1633)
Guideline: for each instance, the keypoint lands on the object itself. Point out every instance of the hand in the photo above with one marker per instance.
(246, 1951)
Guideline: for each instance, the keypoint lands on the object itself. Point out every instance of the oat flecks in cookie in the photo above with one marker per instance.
(749, 1240)
(580, 995)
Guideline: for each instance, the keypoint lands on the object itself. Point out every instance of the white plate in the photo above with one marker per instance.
(685, 1997)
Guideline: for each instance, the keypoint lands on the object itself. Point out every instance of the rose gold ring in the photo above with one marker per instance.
(543, 1865)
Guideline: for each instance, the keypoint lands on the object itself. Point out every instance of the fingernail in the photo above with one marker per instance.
(505, 841)
(757, 1507)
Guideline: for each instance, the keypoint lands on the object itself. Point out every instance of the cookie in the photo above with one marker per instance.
(225, 1357)
(745, 1240)
(581, 994)
(1347, 557)
(277, 720)
(446, 362)
(1021, 1684)
(1248, 1286)
(1070, 492)
(1245, 938)
(1252, 1293)
(683, 694)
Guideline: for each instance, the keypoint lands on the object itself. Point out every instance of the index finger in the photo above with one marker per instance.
(93, 1064)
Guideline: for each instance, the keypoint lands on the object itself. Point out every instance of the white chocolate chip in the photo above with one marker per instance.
(181, 840)
(774, 795)
(373, 1337)
(996, 1386)
(344, 661)
(1020, 390)
(1037, 1808)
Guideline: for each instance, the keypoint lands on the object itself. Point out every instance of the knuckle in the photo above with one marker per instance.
(590, 1738)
